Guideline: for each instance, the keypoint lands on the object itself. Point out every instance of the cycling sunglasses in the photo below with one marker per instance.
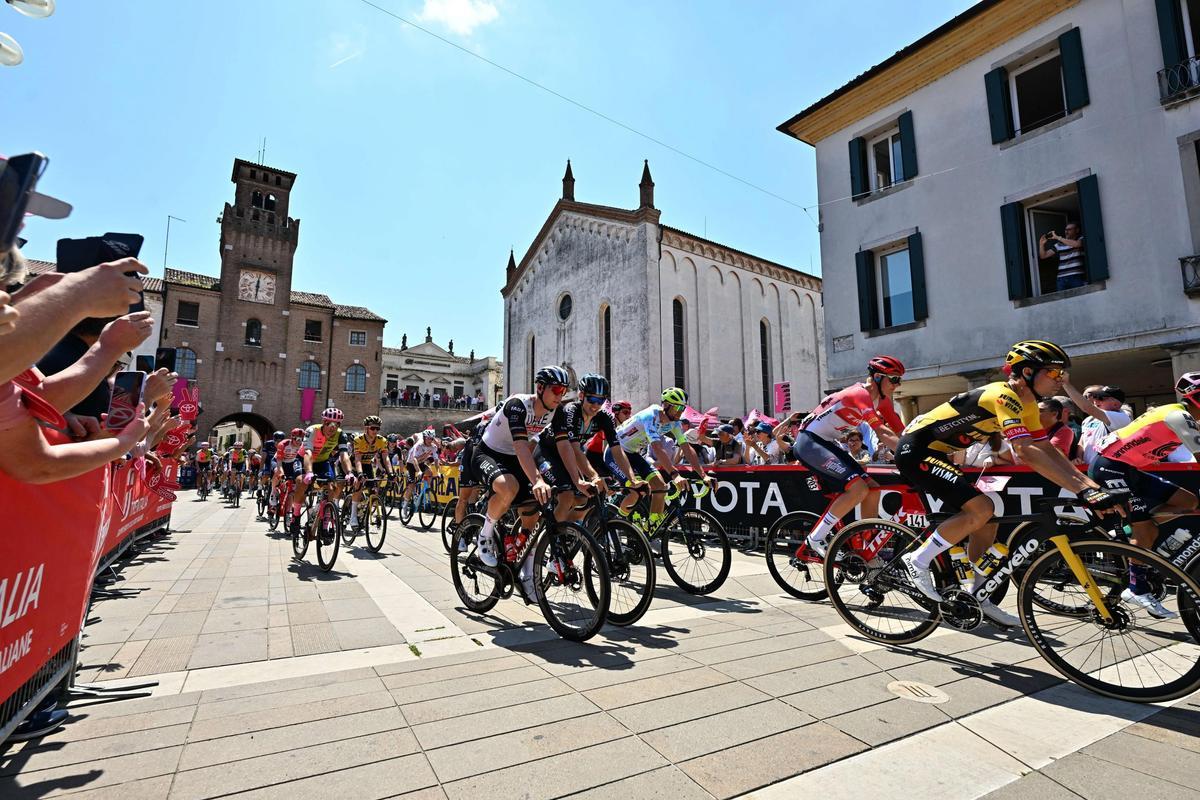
(372, 427)
(595, 399)
(894, 379)
(680, 406)
(1055, 374)
(557, 389)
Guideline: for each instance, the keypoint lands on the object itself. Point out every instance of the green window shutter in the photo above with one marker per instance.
(1070, 48)
(916, 264)
(999, 105)
(859, 185)
(868, 311)
(1170, 32)
(1016, 264)
(1095, 254)
(908, 146)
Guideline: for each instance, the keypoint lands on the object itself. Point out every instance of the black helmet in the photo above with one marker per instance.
(593, 384)
(279, 436)
(552, 376)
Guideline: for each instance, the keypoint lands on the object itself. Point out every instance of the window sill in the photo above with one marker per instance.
(182, 324)
(1024, 302)
(881, 193)
(302, 388)
(255, 345)
(909, 326)
(314, 341)
(1036, 132)
(350, 392)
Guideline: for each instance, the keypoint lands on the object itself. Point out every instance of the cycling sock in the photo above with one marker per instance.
(489, 526)
(821, 530)
(934, 546)
(1137, 579)
(354, 508)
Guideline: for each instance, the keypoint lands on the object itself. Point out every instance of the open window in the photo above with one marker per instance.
(312, 330)
(1037, 89)
(884, 158)
(253, 333)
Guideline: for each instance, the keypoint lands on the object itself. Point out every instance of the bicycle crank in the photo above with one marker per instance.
(961, 610)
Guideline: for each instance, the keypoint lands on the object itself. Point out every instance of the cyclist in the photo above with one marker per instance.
(622, 410)
(422, 456)
(268, 461)
(370, 460)
(468, 481)
(254, 461)
(325, 445)
(559, 452)
(288, 462)
(1035, 369)
(1121, 455)
(204, 461)
(646, 431)
(237, 464)
(504, 461)
(836, 470)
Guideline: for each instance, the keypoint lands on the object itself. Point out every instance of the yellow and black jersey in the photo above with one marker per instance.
(365, 450)
(973, 417)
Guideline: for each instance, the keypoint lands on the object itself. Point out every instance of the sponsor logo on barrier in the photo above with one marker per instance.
(19, 594)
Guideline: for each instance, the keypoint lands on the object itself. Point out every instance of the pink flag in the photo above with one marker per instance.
(308, 398)
(758, 416)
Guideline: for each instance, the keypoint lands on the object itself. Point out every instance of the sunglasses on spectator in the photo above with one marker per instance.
(595, 399)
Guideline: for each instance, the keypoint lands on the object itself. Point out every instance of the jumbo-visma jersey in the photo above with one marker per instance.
(973, 417)
(1152, 437)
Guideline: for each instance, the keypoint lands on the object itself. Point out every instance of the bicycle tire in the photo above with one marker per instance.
(631, 595)
(406, 511)
(262, 503)
(566, 579)
(272, 517)
(327, 543)
(427, 514)
(692, 535)
(299, 540)
(797, 570)
(1043, 596)
(468, 573)
(377, 519)
(846, 571)
(447, 517)
(1179, 657)
(348, 531)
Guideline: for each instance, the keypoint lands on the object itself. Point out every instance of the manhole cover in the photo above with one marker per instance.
(917, 692)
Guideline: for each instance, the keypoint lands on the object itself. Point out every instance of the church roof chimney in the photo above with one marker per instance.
(647, 187)
(568, 184)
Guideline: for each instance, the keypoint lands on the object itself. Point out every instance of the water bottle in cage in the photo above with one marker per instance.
(990, 560)
(963, 571)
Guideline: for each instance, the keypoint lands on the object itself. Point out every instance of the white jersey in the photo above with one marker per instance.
(420, 452)
(515, 422)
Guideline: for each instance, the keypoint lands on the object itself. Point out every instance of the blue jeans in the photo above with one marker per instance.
(1070, 282)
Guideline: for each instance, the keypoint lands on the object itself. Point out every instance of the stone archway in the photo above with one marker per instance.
(231, 423)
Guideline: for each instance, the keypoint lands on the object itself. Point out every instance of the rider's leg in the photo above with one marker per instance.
(504, 490)
(855, 492)
(970, 521)
(465, 498)
(658, 493)
(564, 505)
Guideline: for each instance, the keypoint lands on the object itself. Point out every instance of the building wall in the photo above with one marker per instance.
(440, 370)
(356, 405)
(1123, 137)
(599, 263)
(154, 304)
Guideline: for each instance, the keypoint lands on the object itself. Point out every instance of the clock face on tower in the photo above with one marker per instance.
(256, 287)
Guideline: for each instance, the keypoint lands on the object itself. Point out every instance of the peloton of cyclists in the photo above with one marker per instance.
(324, 446)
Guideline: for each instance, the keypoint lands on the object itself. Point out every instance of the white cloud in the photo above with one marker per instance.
(460, 16)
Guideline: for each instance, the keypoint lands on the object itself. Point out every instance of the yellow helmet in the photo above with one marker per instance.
(1036, 353)
(675, 396)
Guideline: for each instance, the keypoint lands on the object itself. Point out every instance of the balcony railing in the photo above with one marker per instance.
(1179, 82)
(1190, 266)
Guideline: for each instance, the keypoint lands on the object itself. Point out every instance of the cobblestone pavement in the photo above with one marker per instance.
(277, 680)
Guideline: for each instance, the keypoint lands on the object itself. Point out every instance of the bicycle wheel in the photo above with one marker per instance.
(560, 581)
(237, 497)
(696, 552)
(329, 529)
(376, 521)
(406, 511)
(427, 512)
(630, 569)
(1055, 591)
(299, 538)
(477, 585)
(261, 501)
(447, 518)
(1133, 656)
(870, 588)
(793, 565)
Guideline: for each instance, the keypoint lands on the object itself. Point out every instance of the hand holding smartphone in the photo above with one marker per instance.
(125, 400)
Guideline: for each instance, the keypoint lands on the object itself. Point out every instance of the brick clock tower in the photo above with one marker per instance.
(250, 341)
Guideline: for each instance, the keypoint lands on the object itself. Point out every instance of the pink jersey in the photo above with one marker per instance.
(842, 412)
(1153, 436)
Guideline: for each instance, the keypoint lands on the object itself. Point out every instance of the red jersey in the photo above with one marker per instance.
(843, 411)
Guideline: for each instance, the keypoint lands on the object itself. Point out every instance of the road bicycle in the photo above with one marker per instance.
(204, 484)
(692, 543)
(475, 507)
(1089, 634)
(321, 523)
(262, 499)
(422, 504)
(569, 570)
(630, 561)
(279, 503)
(372, 515)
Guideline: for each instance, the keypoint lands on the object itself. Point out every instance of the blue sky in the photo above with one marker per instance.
(420, 166)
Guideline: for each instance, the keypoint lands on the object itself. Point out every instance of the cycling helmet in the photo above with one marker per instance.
(552, 376)
(278, 436)
(332, 415)
(1188, 387)
(238, 445)
(429, 433)
(205, 444)
(297, 432)
(391, 437)
(372, 422)
(675, 396)
(1036, 353)
(594, 384)
(622, 405)
(885, 365)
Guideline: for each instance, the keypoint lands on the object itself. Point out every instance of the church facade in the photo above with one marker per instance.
(615, 291)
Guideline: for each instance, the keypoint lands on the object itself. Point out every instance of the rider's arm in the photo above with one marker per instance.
(689, 453)
(1049, 462)
(566, 454)
(524, 452)
(662, 458)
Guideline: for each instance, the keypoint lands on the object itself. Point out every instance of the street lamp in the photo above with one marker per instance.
(10, 52)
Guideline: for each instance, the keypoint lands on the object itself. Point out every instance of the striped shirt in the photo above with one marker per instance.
(1070, 259)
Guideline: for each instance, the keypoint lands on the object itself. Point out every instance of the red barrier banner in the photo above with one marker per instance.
(47, 561)
(133, 505)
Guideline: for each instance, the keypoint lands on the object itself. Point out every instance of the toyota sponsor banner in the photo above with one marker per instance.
(757, 496)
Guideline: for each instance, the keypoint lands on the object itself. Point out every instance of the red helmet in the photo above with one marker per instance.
(1188, 387)
(622, 405)
(297, 432)
(885, 365)
(332, 415)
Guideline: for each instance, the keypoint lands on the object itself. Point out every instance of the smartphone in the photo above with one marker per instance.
(165, 357)
(144, 364)
(126, 395)
(76, 255)
(18, 178)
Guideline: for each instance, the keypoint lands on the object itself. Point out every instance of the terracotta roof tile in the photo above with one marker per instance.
(193, 279)
(312, 299)
(357, 312)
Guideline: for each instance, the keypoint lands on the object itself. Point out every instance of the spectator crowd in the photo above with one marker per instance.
(415, 398)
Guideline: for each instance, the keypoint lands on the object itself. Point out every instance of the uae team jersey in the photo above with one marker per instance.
(1152, 437)
(842, 412)
(973, 417)
(649, 426)
(515, 422)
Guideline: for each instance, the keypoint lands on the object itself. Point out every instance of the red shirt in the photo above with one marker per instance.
(1061, 436)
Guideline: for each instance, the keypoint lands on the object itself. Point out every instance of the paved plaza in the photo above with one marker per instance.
(278, 680)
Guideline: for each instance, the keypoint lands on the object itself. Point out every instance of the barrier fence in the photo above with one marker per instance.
(58, 537)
